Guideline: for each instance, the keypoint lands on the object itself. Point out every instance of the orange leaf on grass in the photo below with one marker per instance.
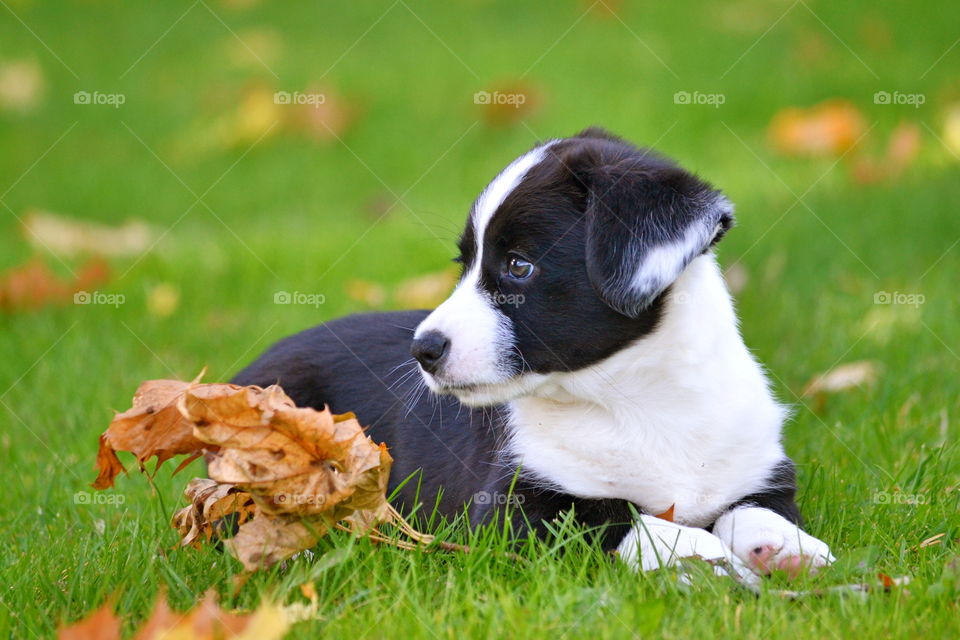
(33, 285)
(206, 621)
(827, 129)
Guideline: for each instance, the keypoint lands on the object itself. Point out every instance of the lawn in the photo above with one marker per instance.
(245, 208)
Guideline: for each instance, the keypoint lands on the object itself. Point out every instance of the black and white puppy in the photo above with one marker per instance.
(590, 344)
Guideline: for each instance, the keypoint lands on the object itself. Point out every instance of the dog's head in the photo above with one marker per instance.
(566, 257)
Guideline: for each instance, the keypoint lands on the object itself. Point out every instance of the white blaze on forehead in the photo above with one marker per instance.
(480, 335)
(497, 191)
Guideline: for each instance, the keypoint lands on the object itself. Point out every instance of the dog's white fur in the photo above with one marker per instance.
(684, 417)
(747, 530)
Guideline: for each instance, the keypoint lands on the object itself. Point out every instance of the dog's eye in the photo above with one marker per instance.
(519, 268)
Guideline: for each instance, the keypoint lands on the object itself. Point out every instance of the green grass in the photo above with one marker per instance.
(286, 213)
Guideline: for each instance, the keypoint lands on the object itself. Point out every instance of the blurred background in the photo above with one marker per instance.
(182, 183)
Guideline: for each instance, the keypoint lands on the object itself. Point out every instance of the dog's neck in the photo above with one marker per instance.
(682, 417)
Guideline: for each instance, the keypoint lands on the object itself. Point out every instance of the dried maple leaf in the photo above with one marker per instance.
(210, 501)
(154, 426)
(843, 377)
(206, 621)
(829, 128)
(102, 624)
(290, 474)
(295, 461)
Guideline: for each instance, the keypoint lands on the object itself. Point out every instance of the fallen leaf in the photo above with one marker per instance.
(306, 471)
(426, 291)
(154, 426)
(667, 515)
(508, 103)
(841, 378)
(902, 150)
(324, 115)
(68, 237)
(33, 284)
(163, 299)
(264, 541)
(827, 129)
(206, 621)
(210, 501)
(102, 624)
(369, 293)
(21, 85)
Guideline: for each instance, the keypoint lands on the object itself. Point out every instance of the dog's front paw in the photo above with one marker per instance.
(653, 543)
(767, 542)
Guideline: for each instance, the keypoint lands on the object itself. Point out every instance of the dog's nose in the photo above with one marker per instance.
(429, 350)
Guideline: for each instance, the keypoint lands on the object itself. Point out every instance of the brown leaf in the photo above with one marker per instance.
(903, 147)
(426, 291)
(290, 473)
(667, 515)
(295, 461)
(843, 377)
(210, 501)
(33, 285)
(206, 621)
(154, 426)
(265, 541)
(508, 103)
(827, 129)
(70, 237)
(102, 624)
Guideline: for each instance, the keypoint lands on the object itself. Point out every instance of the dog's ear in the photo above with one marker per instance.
(646, 220)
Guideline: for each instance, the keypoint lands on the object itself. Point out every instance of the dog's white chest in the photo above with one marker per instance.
(591, 453)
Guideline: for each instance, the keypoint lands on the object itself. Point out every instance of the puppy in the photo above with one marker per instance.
(588, 360)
